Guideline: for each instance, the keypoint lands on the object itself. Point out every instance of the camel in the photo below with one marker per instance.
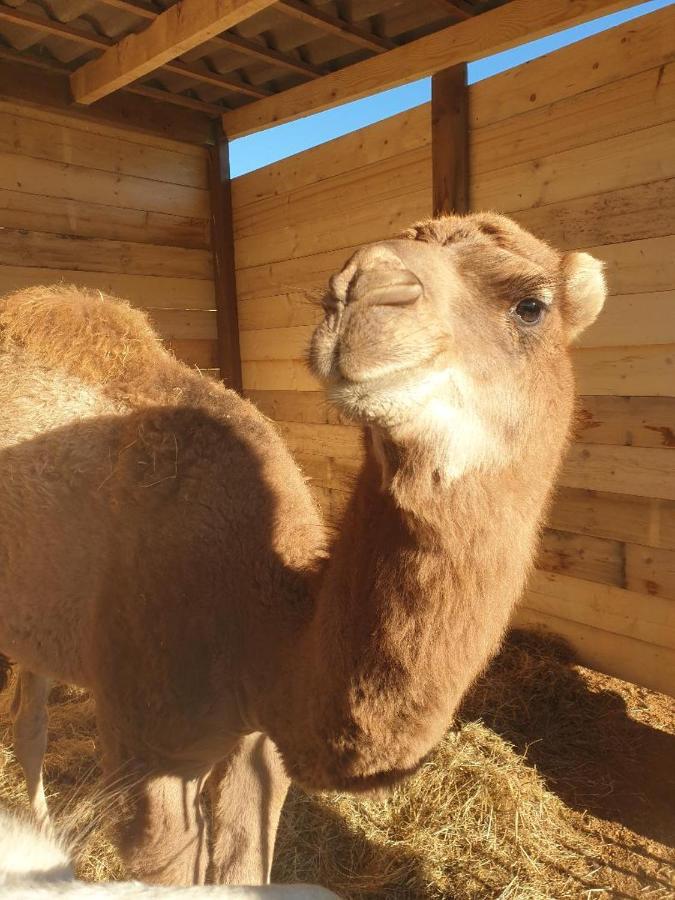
(161, 548)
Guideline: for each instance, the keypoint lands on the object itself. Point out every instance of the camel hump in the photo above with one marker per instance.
(83, 332)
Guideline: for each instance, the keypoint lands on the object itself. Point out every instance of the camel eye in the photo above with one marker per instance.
(530, 311)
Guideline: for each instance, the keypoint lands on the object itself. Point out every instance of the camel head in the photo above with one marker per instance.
(456, 332)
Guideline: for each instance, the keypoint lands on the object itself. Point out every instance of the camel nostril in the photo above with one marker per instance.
(385, 287)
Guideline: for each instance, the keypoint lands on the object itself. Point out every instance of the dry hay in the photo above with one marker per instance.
(557, 783)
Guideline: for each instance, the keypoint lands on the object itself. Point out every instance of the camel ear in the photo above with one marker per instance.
(584, 290)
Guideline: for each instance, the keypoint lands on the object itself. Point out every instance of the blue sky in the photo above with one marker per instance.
(256, 150)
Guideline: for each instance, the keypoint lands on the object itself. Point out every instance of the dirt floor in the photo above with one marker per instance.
(557, 783)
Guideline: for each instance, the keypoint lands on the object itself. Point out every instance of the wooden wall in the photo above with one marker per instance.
(579, 146)
(117, 211)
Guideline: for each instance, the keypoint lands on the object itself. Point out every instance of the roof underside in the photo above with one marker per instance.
(287, 44)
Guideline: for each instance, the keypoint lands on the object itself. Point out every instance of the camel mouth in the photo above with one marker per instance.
(375, 784)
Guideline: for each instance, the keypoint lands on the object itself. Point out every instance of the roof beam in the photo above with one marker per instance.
(174, 32)
(298, 9)
(477, 37)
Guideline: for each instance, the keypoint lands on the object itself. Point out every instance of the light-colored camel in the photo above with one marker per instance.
(160, 547)
(36, 864)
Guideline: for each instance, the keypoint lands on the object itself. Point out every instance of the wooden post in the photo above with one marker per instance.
(222, 247)
(450, 140)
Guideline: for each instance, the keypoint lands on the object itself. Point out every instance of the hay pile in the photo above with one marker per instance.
(556, 783)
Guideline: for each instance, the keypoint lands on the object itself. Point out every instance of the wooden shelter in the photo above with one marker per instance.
(114, 122)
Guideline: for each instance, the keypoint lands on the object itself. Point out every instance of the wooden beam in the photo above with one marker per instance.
(298, 9)
(450, 140)
(52, 26)
(269, 55)
(222, 243)
(491, 32)
(174, 32)
(21, 82)
(207, 76)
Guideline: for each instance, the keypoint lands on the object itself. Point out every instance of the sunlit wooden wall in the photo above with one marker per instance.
(87, 203)
(578, 146)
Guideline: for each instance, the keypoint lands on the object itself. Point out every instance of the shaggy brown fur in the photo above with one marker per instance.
(175, 560)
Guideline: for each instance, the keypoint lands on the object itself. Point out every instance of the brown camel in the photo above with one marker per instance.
(160, 546)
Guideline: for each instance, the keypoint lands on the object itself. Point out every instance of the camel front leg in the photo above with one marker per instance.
(247, 791)
(29, 719)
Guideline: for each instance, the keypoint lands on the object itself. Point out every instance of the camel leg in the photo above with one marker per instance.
(247, 791)
(29, 717)
(160, 833)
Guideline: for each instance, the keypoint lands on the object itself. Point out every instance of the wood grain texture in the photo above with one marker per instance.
(629, 421)
(582, 556)
(650, 571)
(636, 371)
(450, 141)
(643, 319)
(494, 31)
(174, 32)
(644, 471)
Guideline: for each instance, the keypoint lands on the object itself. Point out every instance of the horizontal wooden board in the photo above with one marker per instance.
(615, 654)
(650, 571)
(185, 324)
(310, 407)
(73, 252)
(633, 213)
(621, 106)
(650, 619)
(390, 137)
(61, 143)
(632, 421)
(290, 310)
(634, 47)
(285, 375)
(639, 371)
(633, 319)
(639, 520)
(73, 118)
(195, 352)
(276, 343)
(369, 204)
(610, 165)
(59, 215)
(338, 441)
(582, 556)
(141, 290)
(644, 471)
(300, 278)
(51, 179)
(638, 267)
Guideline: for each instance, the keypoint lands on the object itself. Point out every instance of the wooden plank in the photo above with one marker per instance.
(649, 619)
(290, 276)
(51, 179)
(640, 520)
(69, 119)
(340, 441)
(39, 90)
(398, 134)
(494, 31)
(303, 12)
(450, 141)
(369, 204)
(59, 215)
(174, 32)
(624, 105)
(636, 46)
(645, 471)
(637, 319)
(202, 354)
(28, 136)
(632, 421)
(638, 267)
(141, 290)
(74, 252)
(582, 556)
(638, 371)
(185, 324)
(615, 163)
(222, 243)
(614, 654)
(310, 407)
(634, 213)
(283, 311)
(287, 375)
(650, 571)
(276, 343)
